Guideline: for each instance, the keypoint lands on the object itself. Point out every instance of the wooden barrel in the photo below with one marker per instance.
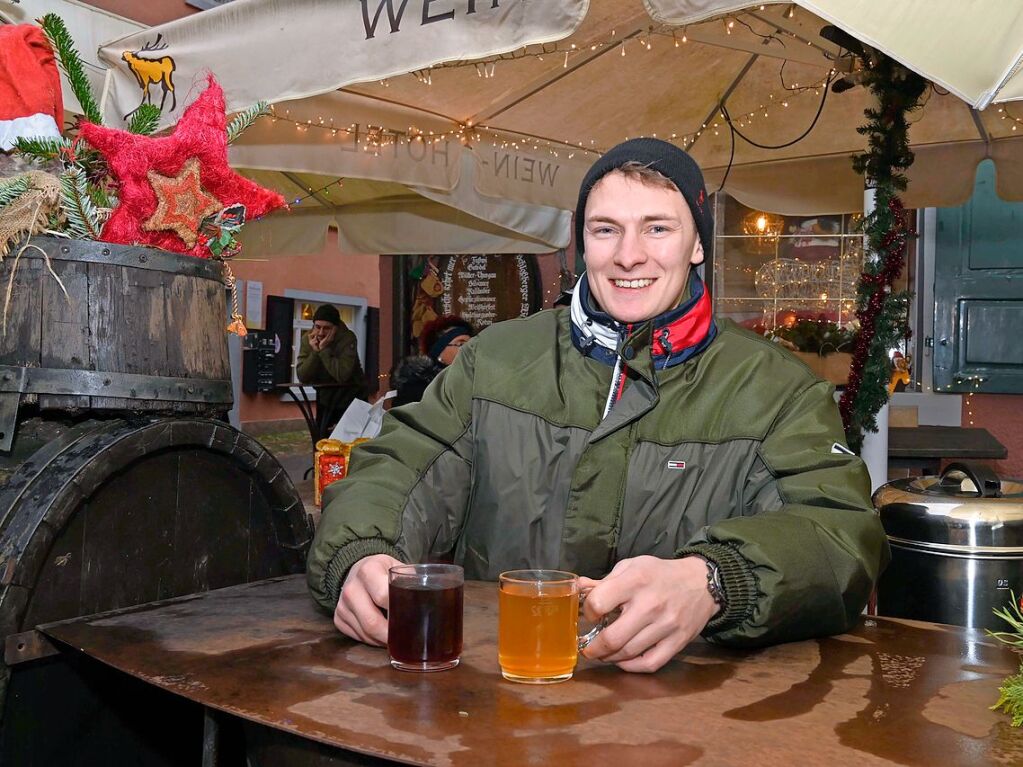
(105, 514)
(137, 330)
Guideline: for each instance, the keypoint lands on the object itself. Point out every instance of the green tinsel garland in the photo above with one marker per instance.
(888, 229)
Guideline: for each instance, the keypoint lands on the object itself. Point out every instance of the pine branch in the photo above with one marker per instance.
(145, 119)
(71, 63)
(245, 119)
(82, 216)
(42, 148)
(100, 197)
(11, 190)
(1010, 698)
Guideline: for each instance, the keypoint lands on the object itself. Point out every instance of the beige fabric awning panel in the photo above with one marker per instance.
(503, 140)
(559, 113)
(343, 135)
(333, 135)
(291, 49)
(941, 176)
(410, 226)
(389, 218)
(973, 49)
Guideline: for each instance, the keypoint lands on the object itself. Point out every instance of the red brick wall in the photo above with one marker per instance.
(149, 12)
(331, 271)
(1002, 415)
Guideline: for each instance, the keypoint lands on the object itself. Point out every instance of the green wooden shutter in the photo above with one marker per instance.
(978, 292)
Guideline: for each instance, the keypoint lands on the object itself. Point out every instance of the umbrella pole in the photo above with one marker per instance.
(875, 443)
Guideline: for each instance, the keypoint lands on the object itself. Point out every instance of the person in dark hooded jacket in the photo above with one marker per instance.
(440, 342)
(328, 360)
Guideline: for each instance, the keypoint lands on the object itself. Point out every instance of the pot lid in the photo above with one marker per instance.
(968, 508)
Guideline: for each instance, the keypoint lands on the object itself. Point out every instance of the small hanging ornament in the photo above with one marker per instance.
(237, 324)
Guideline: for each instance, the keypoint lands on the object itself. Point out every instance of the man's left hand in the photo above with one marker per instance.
(665, 604)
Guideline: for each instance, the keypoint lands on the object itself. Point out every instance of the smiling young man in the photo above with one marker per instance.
(684, 467)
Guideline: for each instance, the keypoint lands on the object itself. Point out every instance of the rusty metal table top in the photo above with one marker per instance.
(890, 692)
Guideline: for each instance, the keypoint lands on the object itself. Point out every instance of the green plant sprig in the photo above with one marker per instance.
(245, 119)
(12, 189)
(145, 119)
(71, 63)
(1013, 615)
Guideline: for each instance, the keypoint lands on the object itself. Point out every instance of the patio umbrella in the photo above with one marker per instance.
(620, 68)
(973, 49)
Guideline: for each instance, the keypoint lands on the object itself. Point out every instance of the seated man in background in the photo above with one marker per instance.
(329, 361)
(691, 471)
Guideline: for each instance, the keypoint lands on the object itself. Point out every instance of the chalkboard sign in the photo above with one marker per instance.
(485, 289)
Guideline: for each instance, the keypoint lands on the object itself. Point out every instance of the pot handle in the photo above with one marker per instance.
(981, 475)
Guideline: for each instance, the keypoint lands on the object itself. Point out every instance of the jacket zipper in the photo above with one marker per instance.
(618, 376)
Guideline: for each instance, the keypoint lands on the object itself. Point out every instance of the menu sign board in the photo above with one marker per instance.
(485, 289)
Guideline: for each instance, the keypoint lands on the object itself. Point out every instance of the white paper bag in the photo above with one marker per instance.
(361, 420)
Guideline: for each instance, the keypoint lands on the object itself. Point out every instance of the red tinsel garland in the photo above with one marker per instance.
(879, 283)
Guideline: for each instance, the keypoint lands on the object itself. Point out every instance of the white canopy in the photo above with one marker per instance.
(973, 49)
(532, 116)
(422, 201)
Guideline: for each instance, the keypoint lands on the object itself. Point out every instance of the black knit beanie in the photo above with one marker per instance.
(668, 160)
(446, 336)
(327, 313)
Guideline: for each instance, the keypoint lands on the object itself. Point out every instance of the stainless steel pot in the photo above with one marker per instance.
(957, 546)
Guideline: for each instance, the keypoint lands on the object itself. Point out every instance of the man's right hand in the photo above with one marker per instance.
(360, 609)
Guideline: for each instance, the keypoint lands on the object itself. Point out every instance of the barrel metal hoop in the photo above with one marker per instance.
(95, 383)
(958, 551)
(10, 400)
(26, 646)
(138, 257)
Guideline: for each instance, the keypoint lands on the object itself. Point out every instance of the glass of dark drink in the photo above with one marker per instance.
(424, 616)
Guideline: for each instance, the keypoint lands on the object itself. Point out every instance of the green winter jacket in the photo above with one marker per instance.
(336, 372)
(506, 463)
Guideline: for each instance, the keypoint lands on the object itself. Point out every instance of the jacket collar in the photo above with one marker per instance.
(669, 339)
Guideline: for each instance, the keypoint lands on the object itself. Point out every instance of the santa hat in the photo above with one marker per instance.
(30, 100)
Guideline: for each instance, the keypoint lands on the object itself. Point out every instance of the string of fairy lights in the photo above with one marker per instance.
(373, 138)
(1007, 115)
(975, 381)
(486, 67)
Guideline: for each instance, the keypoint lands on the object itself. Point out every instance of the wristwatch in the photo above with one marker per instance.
(717, 591)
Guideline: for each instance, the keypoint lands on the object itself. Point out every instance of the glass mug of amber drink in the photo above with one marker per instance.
(538, 621)
(424, 616)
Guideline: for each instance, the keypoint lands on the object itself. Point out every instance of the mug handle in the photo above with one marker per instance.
(593, 633)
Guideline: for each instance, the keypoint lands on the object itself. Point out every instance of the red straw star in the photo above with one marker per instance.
(202, 134)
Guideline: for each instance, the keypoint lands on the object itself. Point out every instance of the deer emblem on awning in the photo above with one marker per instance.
(151, 71)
